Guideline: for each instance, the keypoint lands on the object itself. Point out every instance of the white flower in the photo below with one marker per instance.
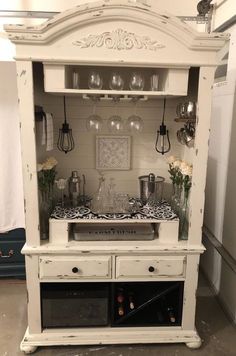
(177, 163)
(47, 166)
(52, 161)
(183, 165)
(187, 170)
(171, 159)
(39, 167)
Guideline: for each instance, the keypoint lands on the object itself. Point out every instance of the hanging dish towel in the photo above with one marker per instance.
(43, 128)
(49, 132)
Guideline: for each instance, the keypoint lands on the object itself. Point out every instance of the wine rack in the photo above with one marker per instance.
(147, 304)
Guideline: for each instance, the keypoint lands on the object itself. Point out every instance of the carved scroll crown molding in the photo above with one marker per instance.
(119, 40)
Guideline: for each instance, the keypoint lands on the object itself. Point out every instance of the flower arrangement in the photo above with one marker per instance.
(174, 170)
(46, 176)
(181, 177)
(180, 172)
(186, 171)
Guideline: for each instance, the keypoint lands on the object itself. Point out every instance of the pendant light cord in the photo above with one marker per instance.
(164, 110)
(65, 109)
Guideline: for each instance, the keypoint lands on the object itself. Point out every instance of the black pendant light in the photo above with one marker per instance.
(163, 142)
(65, 142)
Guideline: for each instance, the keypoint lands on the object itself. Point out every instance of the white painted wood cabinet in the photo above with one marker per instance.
(128, 36)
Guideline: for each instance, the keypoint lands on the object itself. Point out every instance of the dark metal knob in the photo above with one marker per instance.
(75, 270)
(151, 269)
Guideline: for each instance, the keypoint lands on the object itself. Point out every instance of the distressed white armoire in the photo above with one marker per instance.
(125, 36)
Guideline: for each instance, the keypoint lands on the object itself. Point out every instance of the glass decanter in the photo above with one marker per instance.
(99, 200)
(111, 196)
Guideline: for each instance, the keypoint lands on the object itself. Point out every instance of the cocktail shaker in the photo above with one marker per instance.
(74, 188)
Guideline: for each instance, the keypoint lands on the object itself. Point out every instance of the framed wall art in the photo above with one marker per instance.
(113, 152)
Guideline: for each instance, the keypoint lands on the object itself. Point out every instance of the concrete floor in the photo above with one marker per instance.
(216, 331)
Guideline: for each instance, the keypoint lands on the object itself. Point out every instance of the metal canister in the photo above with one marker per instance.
(151, 188)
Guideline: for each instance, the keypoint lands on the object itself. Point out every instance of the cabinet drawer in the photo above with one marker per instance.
(150, 266)
(75, 267)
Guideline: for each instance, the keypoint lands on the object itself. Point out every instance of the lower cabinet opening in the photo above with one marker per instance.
(119, 304)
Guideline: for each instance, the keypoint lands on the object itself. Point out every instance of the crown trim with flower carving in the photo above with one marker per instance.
(119, 40)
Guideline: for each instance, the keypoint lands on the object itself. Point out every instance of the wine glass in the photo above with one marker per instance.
(94, 122)
(135, 123)
(115, 124)
(136, 82)
(116, 82)
(95, 81)
(61, 185)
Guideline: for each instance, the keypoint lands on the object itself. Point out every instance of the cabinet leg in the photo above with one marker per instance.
(27, 349)
(194, 344)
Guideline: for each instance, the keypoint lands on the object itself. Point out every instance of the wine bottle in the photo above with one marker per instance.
(171, 315)
(120, 301)
(169, 311)
(121, 310)
(120, 296)
(131, 302)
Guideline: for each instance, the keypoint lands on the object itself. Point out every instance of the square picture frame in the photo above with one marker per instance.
(113, 152)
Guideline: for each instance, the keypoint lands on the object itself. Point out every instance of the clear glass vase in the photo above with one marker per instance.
(184, 217)
(172, 198)
(176, 201)
(45, 209)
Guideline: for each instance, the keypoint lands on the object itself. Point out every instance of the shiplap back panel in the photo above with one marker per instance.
(144, 158)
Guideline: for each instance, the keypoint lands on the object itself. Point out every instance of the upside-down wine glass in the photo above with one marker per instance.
(94, 121)
(134, 122)
(115, 122)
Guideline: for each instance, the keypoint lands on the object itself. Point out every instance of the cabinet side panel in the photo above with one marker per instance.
(33, 291)
(190, 288)
(206, 78)
(28, 147)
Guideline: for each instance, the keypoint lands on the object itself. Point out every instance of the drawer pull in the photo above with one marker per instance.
(10, 254)
(75, 270)
(151, 269)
